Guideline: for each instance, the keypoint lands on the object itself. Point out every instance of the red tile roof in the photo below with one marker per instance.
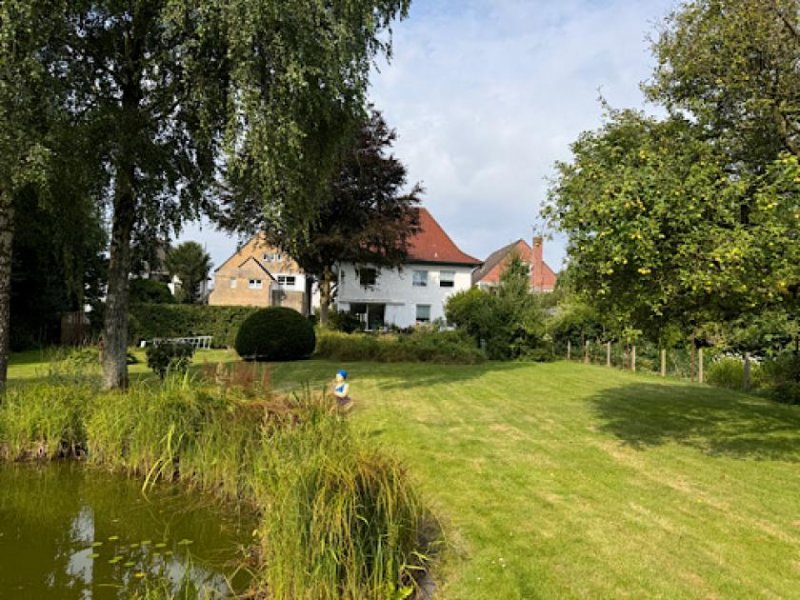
(432, 244)
(543, 278)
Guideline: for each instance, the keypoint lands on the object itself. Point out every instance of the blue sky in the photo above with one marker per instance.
(486, 95)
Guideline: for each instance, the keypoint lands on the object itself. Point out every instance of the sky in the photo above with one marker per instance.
(486, 95)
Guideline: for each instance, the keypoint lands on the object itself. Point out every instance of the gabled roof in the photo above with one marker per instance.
(432, 244)
(542, 276)
(492, 261)
(259, 265)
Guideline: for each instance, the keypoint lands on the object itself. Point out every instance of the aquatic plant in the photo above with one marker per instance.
(336, 508)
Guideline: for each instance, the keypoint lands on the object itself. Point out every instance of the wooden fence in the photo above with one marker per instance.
(687, 363)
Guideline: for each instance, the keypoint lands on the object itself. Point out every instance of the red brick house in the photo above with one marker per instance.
(543, 278)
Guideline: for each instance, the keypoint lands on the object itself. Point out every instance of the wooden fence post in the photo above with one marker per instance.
(663, 362)
(633, 358)
(608, 354)
(700, 365)
(586, 352)
(746, 374)
(569, 349)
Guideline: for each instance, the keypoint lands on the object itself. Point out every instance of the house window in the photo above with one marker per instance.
(447, 279)
(286, 280)
(233, 282)
(367, 277)
(272, 256)
(256, 284)
(423, 313)
(420, 278)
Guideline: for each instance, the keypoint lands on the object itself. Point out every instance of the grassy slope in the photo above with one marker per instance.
(563, 480)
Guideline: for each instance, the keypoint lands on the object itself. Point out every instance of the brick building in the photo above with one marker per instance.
(259, 275)
(543, 278)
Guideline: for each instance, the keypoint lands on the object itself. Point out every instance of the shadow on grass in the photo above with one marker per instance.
(715, 421)
(411, 376)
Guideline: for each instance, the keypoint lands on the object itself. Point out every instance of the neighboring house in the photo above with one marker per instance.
(543, 278)
(416, 293)
(259, 275)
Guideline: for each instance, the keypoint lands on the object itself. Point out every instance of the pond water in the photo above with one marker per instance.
(68, 531)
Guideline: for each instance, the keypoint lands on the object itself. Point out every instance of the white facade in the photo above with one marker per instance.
(415, 294)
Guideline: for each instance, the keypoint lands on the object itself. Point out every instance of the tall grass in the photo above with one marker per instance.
(339, 517)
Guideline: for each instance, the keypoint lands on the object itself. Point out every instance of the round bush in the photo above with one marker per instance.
(275, 333)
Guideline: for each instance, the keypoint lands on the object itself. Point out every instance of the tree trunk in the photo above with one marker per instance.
(700, 376)
(746, 372)
(6, 239)
(115, 367)
(308, 308)
(325, 285)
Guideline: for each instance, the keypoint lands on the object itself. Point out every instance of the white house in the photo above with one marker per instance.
(417, 293)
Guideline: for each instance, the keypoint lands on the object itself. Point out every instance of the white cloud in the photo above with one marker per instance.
(486, 98)
(487, 94)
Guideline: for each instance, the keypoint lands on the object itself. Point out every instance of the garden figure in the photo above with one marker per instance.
(342, 389)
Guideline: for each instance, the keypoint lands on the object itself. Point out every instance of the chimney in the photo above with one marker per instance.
(537, 264)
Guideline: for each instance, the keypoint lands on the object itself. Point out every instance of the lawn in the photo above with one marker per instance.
(570, 481)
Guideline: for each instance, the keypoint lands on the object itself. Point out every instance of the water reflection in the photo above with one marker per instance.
(69, 532)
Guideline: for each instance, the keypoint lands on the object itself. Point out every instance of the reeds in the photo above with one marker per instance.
(339, 517)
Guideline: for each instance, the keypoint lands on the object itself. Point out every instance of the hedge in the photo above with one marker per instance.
(150, 321)
(423, 345)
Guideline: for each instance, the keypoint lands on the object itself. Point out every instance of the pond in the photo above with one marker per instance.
(69, 531)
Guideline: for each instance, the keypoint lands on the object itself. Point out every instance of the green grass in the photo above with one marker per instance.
(570, 481)
(36, 364)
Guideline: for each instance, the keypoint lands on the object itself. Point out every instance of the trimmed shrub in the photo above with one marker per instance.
(423, 345)
(169, 356)
(150, 321)
(275, 333)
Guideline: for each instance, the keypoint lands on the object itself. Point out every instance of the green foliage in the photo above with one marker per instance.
(339, 510)
(191, 264)
(150, 291)
(275, 333)
(344, 321)
(731, 64)
(690, 222)
(422, 345)
(149, 321)
(509, 323)
(728, 372)
(44, 421)
(166, 357)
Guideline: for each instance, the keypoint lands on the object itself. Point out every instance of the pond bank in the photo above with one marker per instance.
(330, 502)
